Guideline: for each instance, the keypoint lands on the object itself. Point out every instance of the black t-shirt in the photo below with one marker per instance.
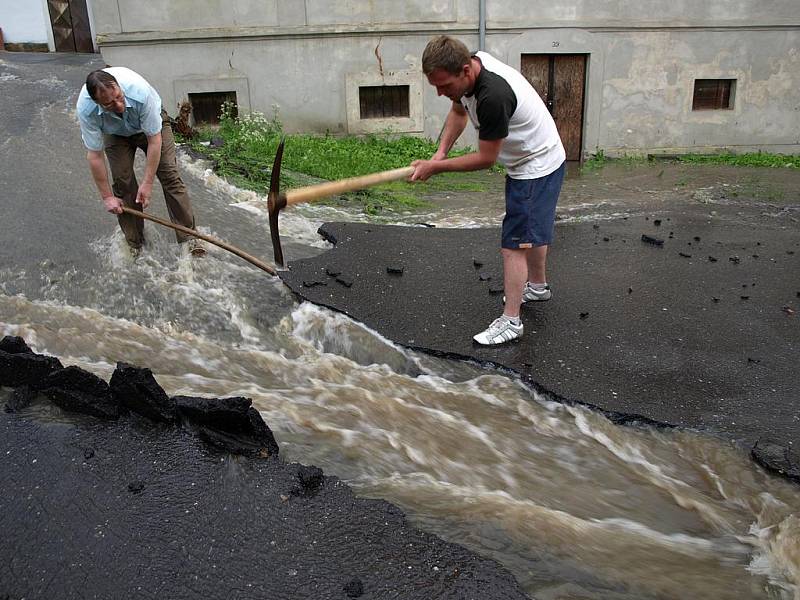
(495, 103)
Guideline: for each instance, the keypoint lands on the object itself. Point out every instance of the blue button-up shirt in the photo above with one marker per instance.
(142, 110)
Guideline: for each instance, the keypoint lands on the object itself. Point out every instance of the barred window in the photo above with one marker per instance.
(207, 106)
(711, 94)
(381, 101)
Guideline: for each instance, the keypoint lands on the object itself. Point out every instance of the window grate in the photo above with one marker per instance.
(382, 101)
(207, 106)
(713, 94)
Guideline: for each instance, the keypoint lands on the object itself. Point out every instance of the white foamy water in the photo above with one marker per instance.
(481, 460)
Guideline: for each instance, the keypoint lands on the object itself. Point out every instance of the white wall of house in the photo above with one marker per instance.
(25, 22)
(308, 56)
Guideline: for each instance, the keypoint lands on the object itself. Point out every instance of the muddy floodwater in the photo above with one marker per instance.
(573, 505)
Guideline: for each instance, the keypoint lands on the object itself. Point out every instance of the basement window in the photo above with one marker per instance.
(713, 94)
(207, 106)
(382, 101)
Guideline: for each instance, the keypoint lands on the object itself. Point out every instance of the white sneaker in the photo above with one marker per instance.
(500, 331)
(531, 294)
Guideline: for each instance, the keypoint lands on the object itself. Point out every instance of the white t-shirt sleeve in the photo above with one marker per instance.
(90, 133)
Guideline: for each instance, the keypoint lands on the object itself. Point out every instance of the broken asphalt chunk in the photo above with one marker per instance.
(76, 390)
(135, 487)
(25, 368)
(345, 281)
(136, 389)
(477, 263)
(394, 269)
(684, 255)
(484, 276)
(14, 345)
(313, 283)
(648, 239)
(228, 423)
(309, 480)
(333, 271)
(712, 259)
(496, 288)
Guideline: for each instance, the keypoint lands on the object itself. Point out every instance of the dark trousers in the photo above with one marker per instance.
(120, 151)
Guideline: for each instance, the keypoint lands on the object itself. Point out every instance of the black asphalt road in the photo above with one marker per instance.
(691, 333)
(137, 510)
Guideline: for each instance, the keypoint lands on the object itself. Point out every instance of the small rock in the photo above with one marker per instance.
(630, 290)
(354, 588)
(788, 310)
(745, 297)
(394, 269)
(684, 255)
(657, 222)
(477, 263)
(135, 487)
(309, 480)
(496, 288)
(714, 299)
(647, 239)
(595, 226)
(484, 277)
(583, 315)
(697, 238)
(333, 271)
(345, 281)
(734, 259)
(313, 283)
(88, 453)
(755, 255)
(605, 239)
(753, 360)
(712, 259)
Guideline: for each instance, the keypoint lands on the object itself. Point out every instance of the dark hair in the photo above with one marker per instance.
(99, 79)
(444, 52)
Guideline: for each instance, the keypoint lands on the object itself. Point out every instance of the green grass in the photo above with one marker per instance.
(751, 159)
(250, 143)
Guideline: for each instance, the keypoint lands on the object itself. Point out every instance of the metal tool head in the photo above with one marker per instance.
(276, 202)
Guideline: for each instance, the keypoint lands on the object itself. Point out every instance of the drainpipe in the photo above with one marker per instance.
(482, 26)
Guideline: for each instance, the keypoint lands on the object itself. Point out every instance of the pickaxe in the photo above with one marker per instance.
(277, 200)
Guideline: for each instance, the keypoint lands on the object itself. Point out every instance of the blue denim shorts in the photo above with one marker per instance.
(531, 210)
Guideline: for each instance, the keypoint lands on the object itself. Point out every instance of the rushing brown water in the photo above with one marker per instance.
(573, 505)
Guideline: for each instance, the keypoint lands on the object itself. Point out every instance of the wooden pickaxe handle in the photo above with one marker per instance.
(211, 240)
(323, 190)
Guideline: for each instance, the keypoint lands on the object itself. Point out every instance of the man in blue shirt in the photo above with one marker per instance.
(118, 112)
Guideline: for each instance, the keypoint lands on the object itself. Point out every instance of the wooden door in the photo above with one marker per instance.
(70, 21)
(560, 80)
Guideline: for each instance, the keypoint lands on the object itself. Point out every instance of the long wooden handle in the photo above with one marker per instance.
(322, 190)
(211, 240)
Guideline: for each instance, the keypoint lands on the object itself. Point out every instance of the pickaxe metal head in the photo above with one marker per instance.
(275, 202)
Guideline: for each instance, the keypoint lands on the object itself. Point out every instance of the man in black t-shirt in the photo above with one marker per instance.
(516, 130)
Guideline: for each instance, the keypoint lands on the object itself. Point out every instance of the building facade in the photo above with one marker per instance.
(47, 25)
(622, 76)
